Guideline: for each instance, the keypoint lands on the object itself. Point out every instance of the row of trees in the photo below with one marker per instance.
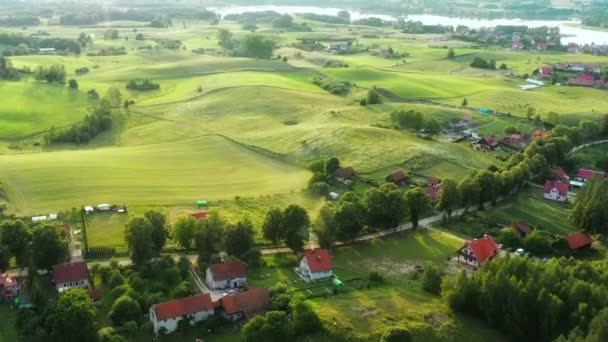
(52, 74)
(250, 45)
(98, 121)
(142, 85)
(412, 119)
(7, 72)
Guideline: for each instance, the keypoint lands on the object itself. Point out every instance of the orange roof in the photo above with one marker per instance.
(250, 303)
(318, 260)
(483, 248)
(579, 240)
(182, 307)
(228, 270)
(199, 216)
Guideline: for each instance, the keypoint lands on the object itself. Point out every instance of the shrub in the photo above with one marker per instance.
(333, 85)
(142, 85)
(431, 279)
(397, 334)
(123, 310)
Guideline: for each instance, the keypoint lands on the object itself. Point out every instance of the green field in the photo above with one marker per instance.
(106, 230)
(29, 108)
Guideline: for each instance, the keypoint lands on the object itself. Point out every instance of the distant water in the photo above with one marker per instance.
(575, 33)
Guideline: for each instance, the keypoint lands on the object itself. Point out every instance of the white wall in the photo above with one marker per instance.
(305, 270)
(171, 324)
(555, 196)
(79, 284)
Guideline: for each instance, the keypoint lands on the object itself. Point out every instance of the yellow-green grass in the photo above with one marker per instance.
(8, 323)
(29, 108)
(177, 173)
(106, 230)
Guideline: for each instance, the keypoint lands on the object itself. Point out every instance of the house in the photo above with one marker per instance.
(478, 251)
(345, 173)
(546, 70)
(586, 80)
(433, 192)
(226, 275)
(315, 265)
(397, 177)
(516, 43)
(578, 241)
(433, 182)
(540, 133)
(515, 140)
(199, 216)
(556, 190)
(71, 274)
(542, 46)
(165, 316)
(585, 175)
(9, 287)
(572, 48)
(339, 47)
(245, 305)
(558, 174)
(487, 143)
(521, 228)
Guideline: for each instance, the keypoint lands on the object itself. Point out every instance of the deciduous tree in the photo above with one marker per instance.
(297, 222)
(74, 317)
(49, 246)
(138, 236)
(416, 203)
(16, 236)
(449, 196)
(273, 228)
(240, 238)
(184, 231)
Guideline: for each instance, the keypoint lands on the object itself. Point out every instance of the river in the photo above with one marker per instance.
(571, 30)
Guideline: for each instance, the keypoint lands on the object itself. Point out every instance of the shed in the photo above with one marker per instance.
(103, 207)
(38, 219)
(202, 203)
(88, 209)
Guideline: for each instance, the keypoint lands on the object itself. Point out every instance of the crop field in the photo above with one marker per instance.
(167, 173)
(28, 108)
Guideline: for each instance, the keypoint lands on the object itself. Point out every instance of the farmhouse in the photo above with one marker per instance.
(556, 191)
(226, 275)
(578, 241)
(585, 175)
(338, 47)
(540, 133)
(88, 209)
(521, 228)
(558, 174)
(71, 274)
(245, 305)
(572, 48)
(586, 80)
(344, 174)
(517, 140)
(433, 182)
(315, 265)
(397, 177)
(433, 192)
(165, 316)
(478, 251)
(9, 287)
(487, 143)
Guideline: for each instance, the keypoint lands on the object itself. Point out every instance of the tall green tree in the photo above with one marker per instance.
(449, 196)
(373, 97)
(349, 219)
(114, 96)
(16, 236)
(125, 309)
(416, 203)
(297, 222)
(272, 327)
(49, 246)
(325, 226)
(138, 237)
(385, 206)
(256, 46)
(488, 187)
(184, 231)
(210, 238)
(240, 238)
(273, 228)
(469, 190)
(74, 318)
(331, 165)
(225, 39)
(5, 257)
(590, 210)
(160, 231)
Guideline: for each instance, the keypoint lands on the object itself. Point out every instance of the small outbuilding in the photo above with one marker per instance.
(521, 228)
(397, 177)
(579, 241)
(245, 305)
(478, 251)
(556, 191)
(104, 207)
(226, 275)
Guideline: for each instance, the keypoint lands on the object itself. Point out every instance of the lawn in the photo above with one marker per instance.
(181, 172)
(8, 321)
(27, 108)
(593, 157)
(106, 230)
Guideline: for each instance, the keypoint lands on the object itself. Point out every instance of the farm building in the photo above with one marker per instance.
(167, 315)
(315, 265)
(586, 80)
(226, 275)
(542, 46)
(578, 241)
(104, 207)
(487, 143)
(88, 209)
(397, 177)
(521, 228)
(478, 251)
(540, 133)
(556, 191)
(338, 47)
(585, 175)
(71, 275)
(9, 287)
(516, 140)
(345, 173)
(334, 196)
(558, 174)
(245, 305)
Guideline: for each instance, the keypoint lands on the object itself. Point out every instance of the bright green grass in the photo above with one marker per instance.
(180, 172)
(28, 108)
(106, 230)
(8, 330)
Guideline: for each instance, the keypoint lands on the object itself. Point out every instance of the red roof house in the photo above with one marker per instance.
(397, 177)
(433, 181)
(514, 139)
(345, 173)
(478, 251)
(316, 265)
(245, 305)
(586, 80)
(229, 274)
(557, 173)
(540, 133)
(542, 46)
(584, 175)
(487, 143)
(579, 240)
(9, 287)
(556, 190)
(167, 315)
(433, 192)
(546, 70)
(517, 44)
(521, 228)
(71, 274)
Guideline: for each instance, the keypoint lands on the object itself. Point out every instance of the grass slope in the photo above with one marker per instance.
(208, 167)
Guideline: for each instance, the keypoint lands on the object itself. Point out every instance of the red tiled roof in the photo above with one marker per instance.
(95, 294)
(521, 227)
(433, 192)
(70, 272)
(546, 70)
(396, 177)
(561, 187)
(513, 137)
(228, 270)
(483, 248)
(587, 174)
(252, 302)
(6, 281)
(578, 240)
(182, 307)
(559, 173)
(345, 172)
(318, 260)
(488, 140)
(199, 216)
(586, 77)
(540, 133)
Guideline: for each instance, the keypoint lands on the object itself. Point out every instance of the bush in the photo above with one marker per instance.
(142, 85)
(431, 279)
(397, 335)
(73, 84)
(333, 85)
(130, 328)
(373, 97)
(123, 310)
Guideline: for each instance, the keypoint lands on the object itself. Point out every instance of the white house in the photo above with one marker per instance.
(165, 316)
(71, 275)
(226, 275)
(478, 251)
(556, 191)
(315, 265)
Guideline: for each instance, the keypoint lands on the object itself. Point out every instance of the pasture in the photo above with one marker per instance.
(106, 230)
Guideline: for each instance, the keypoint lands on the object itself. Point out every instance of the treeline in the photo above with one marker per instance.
(108, 51)
(481, 63)
(7, 72)
(329, 19)
(52, 74)
(34, 43)
(333, 85)
(142, 85)
(532, 301)
(20, 21)
(419, 28)
(414, 120)
(250, 45)
(371, 21)
(98, 121)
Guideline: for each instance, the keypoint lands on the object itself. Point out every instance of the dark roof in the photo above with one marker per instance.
(488, 140)
(250, 303)
(318, 260)
(579, 240)
(228, 270)
(396, 177)
(483, 248)
(345, 172)
(95, 294)
(433, 181)
(559, 173)
(182, 307)
(521, 227)
(70, 272)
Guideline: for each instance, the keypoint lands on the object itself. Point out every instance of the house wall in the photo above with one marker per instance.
(320, 275)
(171, 324)
(233, 317)
(466, 255)
(77, 284)
(555, 196)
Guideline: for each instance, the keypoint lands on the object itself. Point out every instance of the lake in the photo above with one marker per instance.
(571, 29)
